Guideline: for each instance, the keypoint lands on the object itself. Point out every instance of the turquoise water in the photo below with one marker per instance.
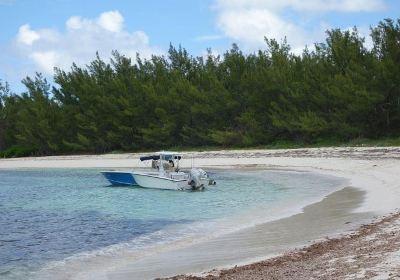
(49, 215)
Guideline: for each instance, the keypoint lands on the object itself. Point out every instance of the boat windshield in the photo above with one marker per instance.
(171, 157)
(167, 161)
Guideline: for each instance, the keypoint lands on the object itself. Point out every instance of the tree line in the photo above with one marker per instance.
(338, 90)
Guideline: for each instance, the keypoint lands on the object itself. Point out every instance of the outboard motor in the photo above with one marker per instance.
(198, 178)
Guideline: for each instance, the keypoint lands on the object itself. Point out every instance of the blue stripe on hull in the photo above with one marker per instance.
(119, 178)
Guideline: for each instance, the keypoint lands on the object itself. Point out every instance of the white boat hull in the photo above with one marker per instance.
(157, 182)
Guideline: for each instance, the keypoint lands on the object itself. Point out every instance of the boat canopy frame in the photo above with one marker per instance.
(163, 156)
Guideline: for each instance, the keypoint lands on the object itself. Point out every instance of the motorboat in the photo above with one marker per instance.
(165, 173)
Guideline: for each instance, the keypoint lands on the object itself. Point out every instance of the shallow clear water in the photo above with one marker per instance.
(50, 215)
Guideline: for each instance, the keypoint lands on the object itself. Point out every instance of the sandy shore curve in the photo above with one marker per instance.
(371, 250)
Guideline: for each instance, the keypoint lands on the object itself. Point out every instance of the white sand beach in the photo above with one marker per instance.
(372, 191)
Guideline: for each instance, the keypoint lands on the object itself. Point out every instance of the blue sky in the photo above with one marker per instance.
(38, 35)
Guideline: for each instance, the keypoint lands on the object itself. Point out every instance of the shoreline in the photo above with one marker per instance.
(255, 243)
(370, 252)
(324, 217)
(373, 171)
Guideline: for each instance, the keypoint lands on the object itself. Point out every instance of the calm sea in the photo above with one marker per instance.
(47, 216)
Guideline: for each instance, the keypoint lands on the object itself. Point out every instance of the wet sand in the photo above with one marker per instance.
(371, 252)
(330, 216)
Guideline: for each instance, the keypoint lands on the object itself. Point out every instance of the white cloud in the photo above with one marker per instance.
(305, 5)
(27, 36)
(111, 21)
(46, 60)
(250, 26)
(348, 5)
(82, 37)
(75, 22)
(249, 21)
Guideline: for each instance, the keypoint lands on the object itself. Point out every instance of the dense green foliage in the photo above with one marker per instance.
(338, 92)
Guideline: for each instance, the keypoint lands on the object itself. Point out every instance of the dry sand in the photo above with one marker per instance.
(370, 252)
